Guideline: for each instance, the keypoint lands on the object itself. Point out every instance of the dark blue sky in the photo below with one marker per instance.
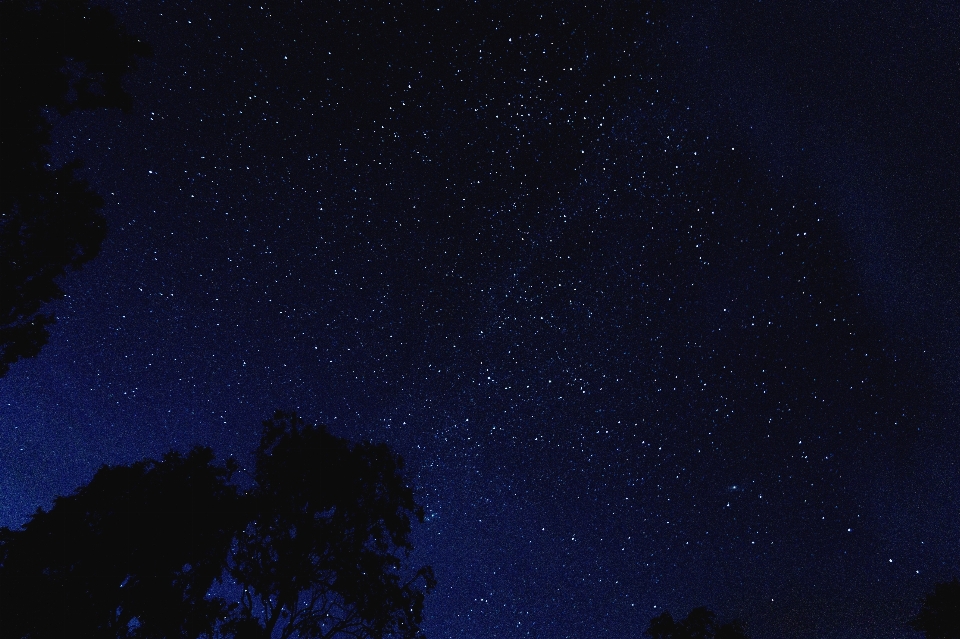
(659, 304)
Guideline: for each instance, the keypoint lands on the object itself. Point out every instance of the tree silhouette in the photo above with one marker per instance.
(315, 547)
(58, 56)
(939, 618)
(329, 522)
(131, 554)
(701, 623)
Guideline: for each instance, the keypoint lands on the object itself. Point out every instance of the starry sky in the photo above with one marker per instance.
(659, 302)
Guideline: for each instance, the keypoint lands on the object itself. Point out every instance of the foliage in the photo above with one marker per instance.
(131, 554)
(321, 556)
(315, 547)
(701, 623)
(939, 618)
(58, 56)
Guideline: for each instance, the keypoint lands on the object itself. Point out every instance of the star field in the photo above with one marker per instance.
(627, 310)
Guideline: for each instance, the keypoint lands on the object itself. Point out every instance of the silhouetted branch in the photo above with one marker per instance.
(309, 551)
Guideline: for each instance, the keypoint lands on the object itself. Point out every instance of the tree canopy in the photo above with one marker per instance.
(58, 56)
(939, 618)
(701, 623)
(327, 529)
(136, 548)
(317, 546)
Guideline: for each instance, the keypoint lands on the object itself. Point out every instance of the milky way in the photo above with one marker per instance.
(637, 355)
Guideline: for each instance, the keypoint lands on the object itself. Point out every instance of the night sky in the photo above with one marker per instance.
(661, 304)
